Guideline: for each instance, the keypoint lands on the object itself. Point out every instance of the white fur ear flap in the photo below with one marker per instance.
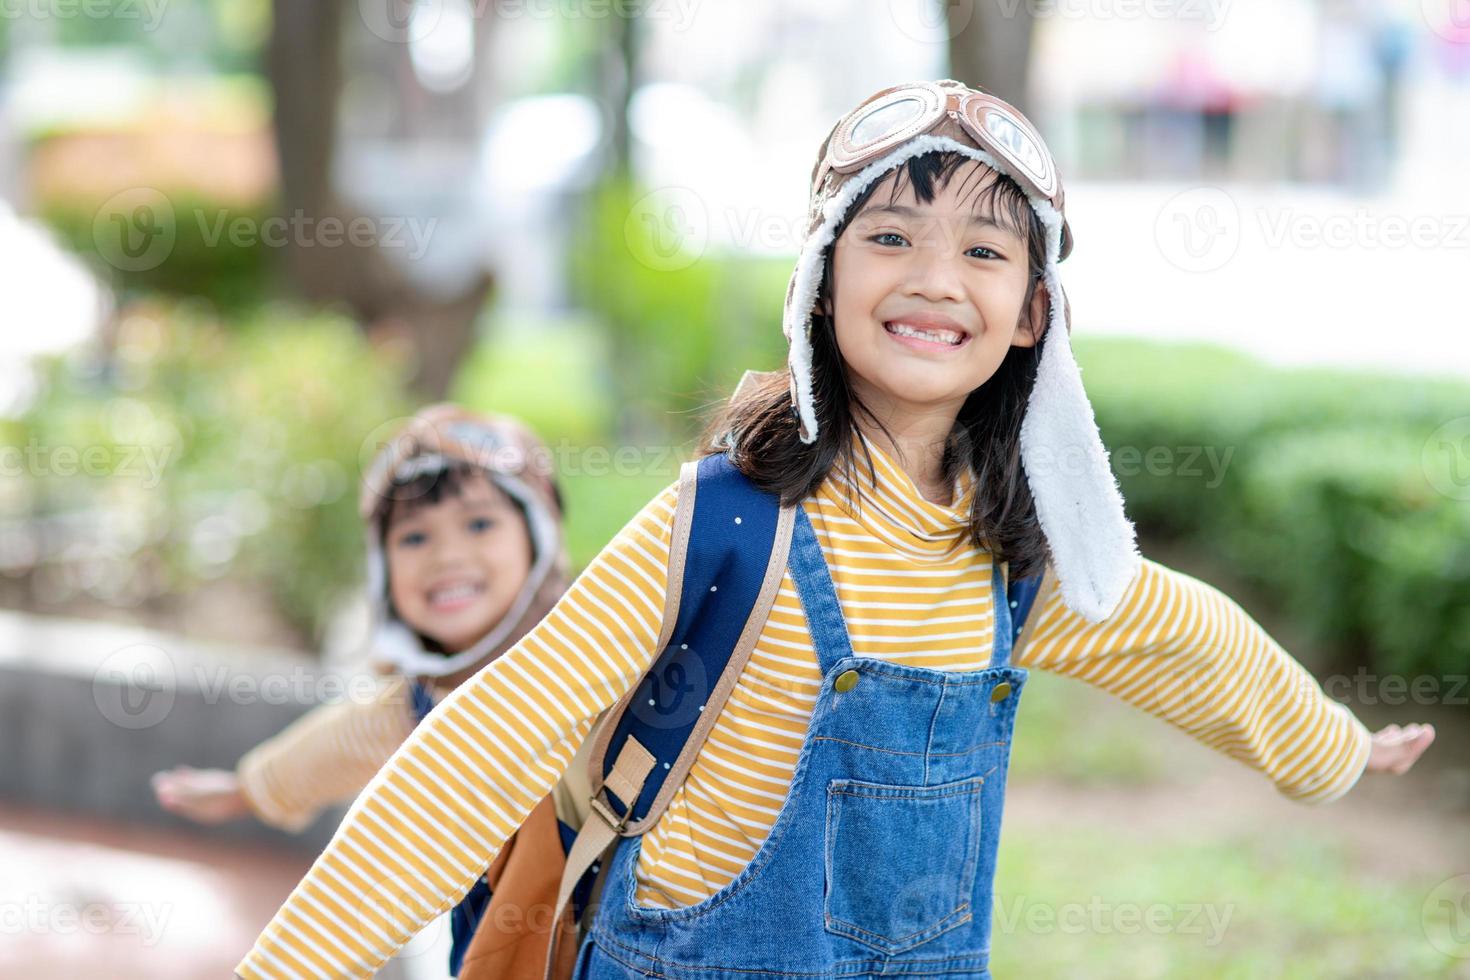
(1078, 502)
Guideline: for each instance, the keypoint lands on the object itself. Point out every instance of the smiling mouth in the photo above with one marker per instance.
(455, 596)
(938, 337)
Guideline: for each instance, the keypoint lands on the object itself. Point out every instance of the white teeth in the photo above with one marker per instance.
(933, 336)
(453, 593)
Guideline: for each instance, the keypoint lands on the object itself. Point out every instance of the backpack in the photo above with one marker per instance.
(726, 562)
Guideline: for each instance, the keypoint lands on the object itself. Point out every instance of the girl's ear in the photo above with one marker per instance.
(1033, 324)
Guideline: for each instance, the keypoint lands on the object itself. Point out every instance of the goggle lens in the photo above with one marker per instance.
(1018, 143)
(884, 121)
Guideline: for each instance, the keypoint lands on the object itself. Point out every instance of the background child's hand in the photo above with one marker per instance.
(1395, 749)
(203, 795)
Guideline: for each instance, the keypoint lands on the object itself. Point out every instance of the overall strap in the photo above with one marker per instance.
(726, 562)
(824, 619)
(1002, 635)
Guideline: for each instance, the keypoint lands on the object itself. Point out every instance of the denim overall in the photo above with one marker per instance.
(882, 859)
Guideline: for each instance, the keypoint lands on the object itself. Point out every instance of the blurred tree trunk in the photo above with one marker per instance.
(990, 47)
(304, 65)
(617, 70)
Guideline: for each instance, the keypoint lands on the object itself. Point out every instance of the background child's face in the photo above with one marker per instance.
(455, 566)
(890, 265)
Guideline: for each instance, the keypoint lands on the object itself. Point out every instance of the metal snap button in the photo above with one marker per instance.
(846, 681)
(1000, 692)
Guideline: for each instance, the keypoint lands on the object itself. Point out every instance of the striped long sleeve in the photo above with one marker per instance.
(1184, 651)
(426, 827)
(327, 756)
(913, 589)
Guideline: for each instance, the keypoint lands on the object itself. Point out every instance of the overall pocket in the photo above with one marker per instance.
(900, 860)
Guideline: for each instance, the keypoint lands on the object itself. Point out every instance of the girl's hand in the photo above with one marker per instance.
(1396, 749)
(207, 796)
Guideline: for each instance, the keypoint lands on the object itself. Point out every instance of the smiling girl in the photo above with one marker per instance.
(930, 444)
(465, 553)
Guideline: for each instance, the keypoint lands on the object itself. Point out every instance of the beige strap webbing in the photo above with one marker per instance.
(601, 829)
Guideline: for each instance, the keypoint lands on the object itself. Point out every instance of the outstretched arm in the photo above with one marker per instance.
(326, 756)
(436, 815)
(1184, 651)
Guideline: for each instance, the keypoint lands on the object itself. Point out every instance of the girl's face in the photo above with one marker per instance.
(455, 566)
(929, 297)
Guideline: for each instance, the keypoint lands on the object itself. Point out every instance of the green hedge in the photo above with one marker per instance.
(1336, 490)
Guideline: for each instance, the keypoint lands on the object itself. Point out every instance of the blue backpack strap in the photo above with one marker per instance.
(1028, 595)
(423, 701)
(735, 538)
(1022, 595)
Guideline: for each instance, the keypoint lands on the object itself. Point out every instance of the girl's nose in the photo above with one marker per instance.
(933, 276)
(449, 549)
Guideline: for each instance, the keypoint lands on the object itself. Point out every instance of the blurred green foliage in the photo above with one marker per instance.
(204, 259)
(553, 375)
(260, 430)
(1329, 488)
(184, 35)
(683, 326)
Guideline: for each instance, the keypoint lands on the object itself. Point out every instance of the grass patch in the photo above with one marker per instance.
(1069, 731)
(1099, 905)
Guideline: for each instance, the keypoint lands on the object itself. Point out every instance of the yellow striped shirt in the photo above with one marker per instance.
(913, 591)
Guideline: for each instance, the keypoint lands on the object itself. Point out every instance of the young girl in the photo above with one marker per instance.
(931, 432)
(465, 553)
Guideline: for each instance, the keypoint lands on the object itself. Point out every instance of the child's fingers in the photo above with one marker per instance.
(1410, 744)
(1396, 749)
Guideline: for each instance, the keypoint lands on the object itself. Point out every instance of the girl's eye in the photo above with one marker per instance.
(990, 253)
(412, 539)
(480, 524)
(878, 238)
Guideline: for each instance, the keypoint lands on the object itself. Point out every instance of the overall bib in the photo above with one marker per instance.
(882, 859)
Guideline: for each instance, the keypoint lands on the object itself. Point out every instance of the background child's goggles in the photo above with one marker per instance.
(898, 114)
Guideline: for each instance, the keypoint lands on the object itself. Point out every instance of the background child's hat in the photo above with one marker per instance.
(1078, 503)
(435, 439)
